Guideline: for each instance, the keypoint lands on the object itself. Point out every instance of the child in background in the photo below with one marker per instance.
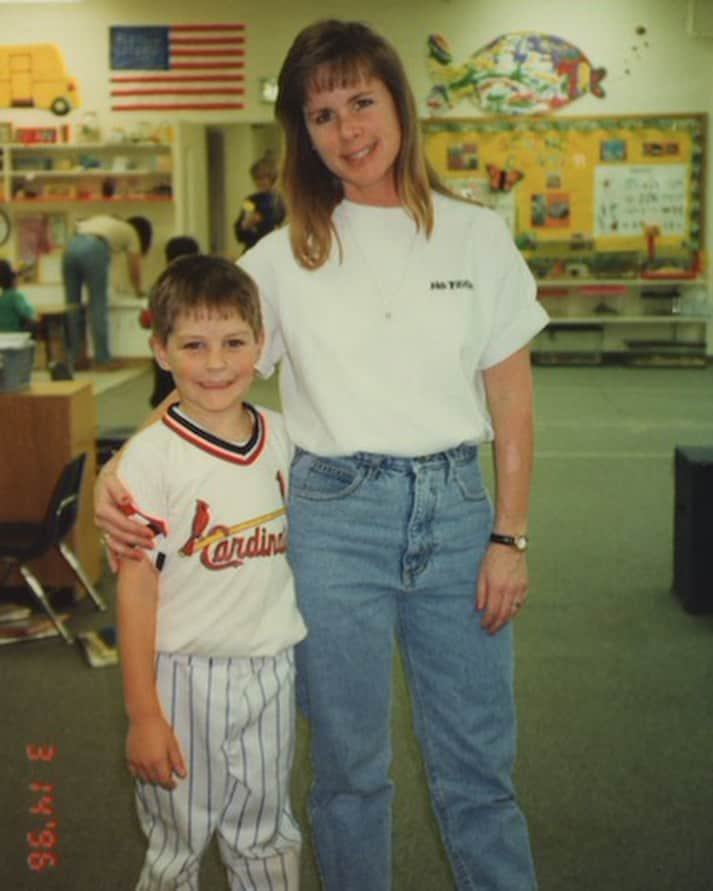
(262, 211)
(208, 622)
(16, 312)
(178, 246)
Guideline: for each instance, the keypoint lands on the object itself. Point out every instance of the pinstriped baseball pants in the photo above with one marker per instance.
(235, 721)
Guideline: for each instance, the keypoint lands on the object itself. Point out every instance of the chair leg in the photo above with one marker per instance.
(78, 570)
(9, 566)
(39, 592)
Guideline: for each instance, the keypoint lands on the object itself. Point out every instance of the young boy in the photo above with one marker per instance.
(177, 246)
(262, 211)
(207, 624)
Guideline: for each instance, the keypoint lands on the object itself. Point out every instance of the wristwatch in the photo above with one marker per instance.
(519, 542)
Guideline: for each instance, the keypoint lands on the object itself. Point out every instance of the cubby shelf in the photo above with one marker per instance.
(645, 318)
(137, 171)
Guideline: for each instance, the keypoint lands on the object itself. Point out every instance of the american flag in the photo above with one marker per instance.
(175, 67)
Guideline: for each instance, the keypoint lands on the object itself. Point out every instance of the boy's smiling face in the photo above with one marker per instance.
(212, 356)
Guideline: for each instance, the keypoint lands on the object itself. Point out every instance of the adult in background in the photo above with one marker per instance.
(401, 317)
(87, 261)
(262, 211)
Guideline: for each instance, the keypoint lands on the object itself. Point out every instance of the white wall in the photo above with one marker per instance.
(671, 74)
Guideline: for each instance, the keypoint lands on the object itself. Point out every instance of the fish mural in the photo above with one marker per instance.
(523, 72)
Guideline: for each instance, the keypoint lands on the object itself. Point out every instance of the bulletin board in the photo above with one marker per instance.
(613, 196)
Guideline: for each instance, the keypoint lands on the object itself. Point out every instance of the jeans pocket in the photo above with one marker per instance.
(470, 480)
(325, 479)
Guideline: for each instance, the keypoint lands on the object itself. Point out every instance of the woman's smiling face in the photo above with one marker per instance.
(356, 132)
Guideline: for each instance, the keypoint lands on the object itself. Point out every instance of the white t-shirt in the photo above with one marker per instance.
(118, 234)
(225, 587)
(383, 350)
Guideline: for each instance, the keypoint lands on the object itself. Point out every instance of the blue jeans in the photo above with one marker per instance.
(382, 548)
(86, 260)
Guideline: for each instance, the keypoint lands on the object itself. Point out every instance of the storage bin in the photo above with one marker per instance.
(16, 366)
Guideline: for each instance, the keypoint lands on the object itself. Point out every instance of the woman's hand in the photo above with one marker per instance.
(502, 586)
(124, 537)
(153, 752)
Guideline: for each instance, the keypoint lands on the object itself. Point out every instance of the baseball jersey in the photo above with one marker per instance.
(383, 347)
(225, 588)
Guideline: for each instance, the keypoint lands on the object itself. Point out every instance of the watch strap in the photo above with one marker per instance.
(519, 542)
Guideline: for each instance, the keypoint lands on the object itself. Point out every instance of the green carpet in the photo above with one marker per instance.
(614, 679)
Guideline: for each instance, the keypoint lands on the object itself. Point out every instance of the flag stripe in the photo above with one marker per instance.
(178, 78)
(198, 51)
(206, 41)
(172, 106)
(183, 91)
(221, 27)
(196, 66)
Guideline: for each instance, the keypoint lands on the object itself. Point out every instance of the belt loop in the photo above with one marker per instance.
(375, 462)
(450, 461)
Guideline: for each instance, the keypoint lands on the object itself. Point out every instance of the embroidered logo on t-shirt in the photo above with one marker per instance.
(457, 284)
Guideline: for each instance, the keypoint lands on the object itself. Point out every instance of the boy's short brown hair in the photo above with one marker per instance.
(196, 282)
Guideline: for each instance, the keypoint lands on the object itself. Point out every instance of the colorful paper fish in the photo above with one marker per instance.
(518, 73)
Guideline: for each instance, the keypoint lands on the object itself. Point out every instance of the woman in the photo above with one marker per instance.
(87, 261)
(398, 314)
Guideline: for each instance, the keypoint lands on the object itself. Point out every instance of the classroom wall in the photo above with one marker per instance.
(663, 70)
(671, 74)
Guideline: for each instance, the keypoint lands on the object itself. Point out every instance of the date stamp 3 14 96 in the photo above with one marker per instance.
(42, 838)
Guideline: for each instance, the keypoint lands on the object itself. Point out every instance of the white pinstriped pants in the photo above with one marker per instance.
(235, 721)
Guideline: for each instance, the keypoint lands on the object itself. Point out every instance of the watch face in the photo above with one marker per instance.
(4, 227)
(521, 542)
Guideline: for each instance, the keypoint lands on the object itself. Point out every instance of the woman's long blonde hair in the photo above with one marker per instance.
(328, 54)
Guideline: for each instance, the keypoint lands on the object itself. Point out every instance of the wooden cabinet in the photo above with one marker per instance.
(41, 428)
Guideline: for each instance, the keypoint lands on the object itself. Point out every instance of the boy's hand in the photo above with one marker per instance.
(153, 752)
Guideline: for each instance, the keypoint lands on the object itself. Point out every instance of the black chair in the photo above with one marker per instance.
(21, 542)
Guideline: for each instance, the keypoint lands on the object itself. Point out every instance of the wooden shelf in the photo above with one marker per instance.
(98, 200)
(85, 146)
(100, 172)
(616, 319)
(570, 283)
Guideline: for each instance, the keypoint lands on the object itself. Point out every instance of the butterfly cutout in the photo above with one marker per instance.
(503, 180)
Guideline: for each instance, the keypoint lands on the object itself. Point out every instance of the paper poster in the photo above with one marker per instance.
(629, 198)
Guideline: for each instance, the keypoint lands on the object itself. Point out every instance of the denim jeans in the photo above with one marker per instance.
(385, 548)
(86, 260)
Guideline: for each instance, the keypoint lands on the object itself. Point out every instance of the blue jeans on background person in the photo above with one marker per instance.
(86, 260)
(386, 548)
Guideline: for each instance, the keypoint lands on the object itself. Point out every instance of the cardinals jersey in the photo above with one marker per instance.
(219, 513)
